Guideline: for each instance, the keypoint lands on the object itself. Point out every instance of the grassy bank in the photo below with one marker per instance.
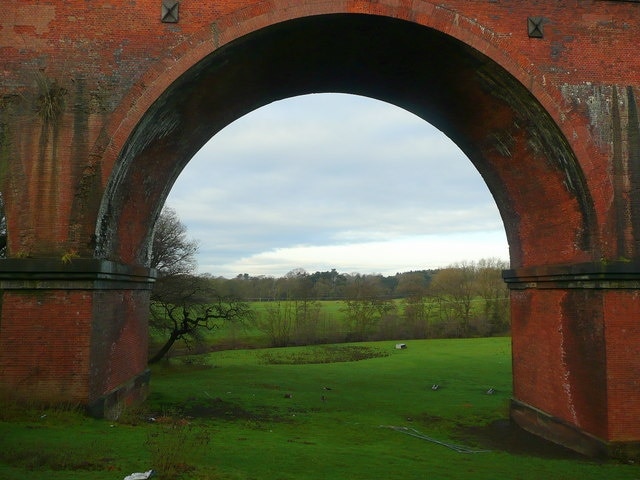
(288, 414)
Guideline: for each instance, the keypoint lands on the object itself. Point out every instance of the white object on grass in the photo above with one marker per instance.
(140, 476)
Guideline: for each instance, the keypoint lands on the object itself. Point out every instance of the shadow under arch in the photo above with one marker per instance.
(526, 162)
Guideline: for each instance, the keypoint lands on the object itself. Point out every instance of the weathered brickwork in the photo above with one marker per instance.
(102, 105)
(562, 332)
(120, 340)
(623, 364)
(74, 332)
(41, 355)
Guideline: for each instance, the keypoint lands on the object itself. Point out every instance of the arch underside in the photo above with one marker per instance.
(520, 152)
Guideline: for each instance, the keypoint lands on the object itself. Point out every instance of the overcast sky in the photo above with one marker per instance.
(334, 181)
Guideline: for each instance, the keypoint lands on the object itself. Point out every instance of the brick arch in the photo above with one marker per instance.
(551, 123)
(445, 78)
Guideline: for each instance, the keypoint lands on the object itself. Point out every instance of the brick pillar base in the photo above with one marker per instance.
(74, 333)
(576, 367)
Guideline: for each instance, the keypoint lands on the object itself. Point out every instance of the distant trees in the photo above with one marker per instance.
(327, 285)
(417, 305)
(464, 299)
(453, 289)
(365, 305)
(295, 318)
(492, 291)
(472, 298)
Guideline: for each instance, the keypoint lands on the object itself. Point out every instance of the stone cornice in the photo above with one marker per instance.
(76, 274)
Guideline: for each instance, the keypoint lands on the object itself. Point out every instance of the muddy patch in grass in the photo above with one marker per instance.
(217, 408)
(38, 457)
(322, 354)
(499, 435)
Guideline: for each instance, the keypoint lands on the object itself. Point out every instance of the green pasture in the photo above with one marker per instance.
(231, 336)
(318, 412)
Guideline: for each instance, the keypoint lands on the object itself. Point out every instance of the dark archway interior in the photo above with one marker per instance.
(515, 145)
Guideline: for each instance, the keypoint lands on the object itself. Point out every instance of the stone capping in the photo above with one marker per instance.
(595, 275)
(77, 274)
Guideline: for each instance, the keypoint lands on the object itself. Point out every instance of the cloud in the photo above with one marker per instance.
(321, 175)
(385, 257)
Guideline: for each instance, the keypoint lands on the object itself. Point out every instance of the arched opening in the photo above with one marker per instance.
(515, 145)
(334, 181)
(550, 133)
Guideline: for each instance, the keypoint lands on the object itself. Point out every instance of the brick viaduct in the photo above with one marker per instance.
(103, 103)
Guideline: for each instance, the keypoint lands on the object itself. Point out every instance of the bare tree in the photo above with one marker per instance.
(454, 290)
(172, 252)
(493, 291)
(184, 305)
(277, 322)
(365, 305)
(294, 317)
(472, 297)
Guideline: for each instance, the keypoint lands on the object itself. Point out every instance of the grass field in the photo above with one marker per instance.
(287, 414)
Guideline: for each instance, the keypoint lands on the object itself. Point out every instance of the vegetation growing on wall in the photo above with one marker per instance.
(50, 101)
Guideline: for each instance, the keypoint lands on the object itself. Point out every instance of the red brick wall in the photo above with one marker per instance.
(120, 338)
(553, 369)
(45, 338)
(575, 356)
(623, 364)
(75, 346)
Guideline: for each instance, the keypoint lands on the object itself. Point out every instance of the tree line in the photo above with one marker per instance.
(464, 299)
